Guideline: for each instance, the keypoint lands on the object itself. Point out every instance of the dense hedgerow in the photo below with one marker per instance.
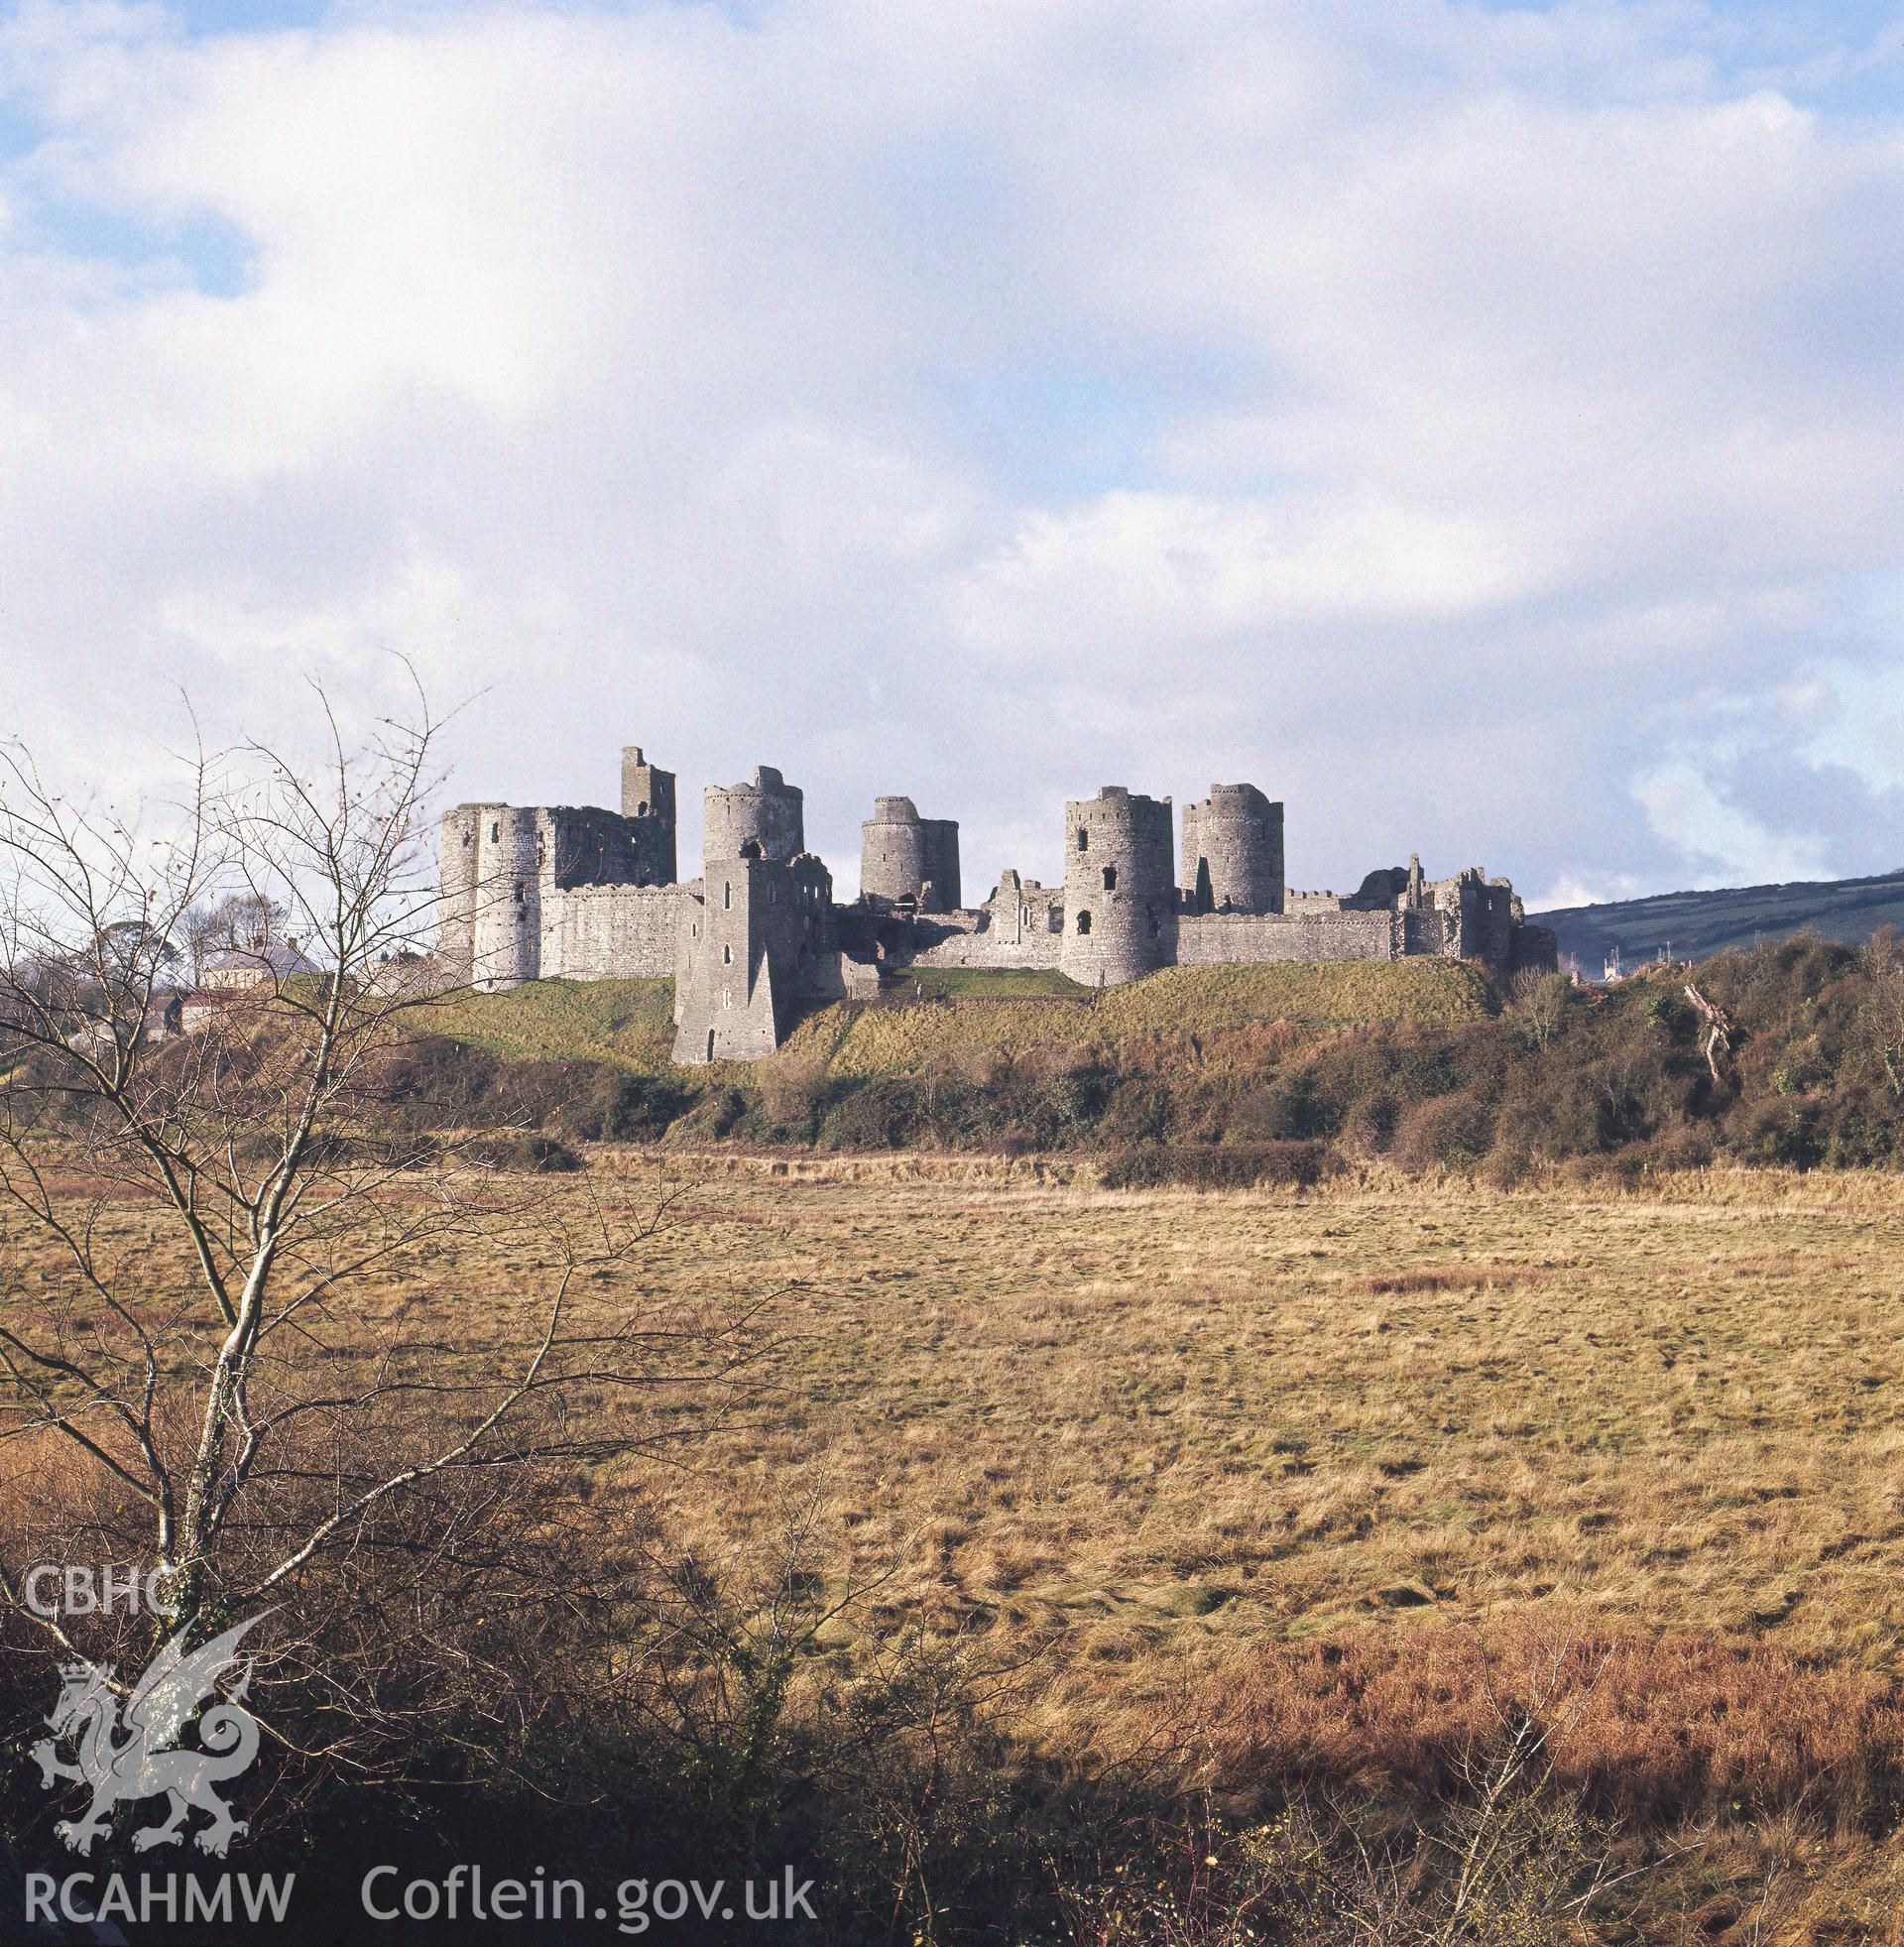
(1220, 1166)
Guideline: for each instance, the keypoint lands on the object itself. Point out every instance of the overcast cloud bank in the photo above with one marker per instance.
(1482, 429)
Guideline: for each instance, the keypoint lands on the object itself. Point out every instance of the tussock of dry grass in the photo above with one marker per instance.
(1650, 1727)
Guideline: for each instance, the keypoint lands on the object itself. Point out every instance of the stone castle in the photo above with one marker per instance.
(584, 894)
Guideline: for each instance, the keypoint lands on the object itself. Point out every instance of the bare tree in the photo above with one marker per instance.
(218, 925)
(1538, 1004)
(1719, 1032)
(225, 1340)
(1882, 1014)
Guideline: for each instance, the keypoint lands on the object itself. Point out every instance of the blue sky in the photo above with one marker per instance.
(1481, 427)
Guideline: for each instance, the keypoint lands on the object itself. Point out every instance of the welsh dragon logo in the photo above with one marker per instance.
(135, 1759)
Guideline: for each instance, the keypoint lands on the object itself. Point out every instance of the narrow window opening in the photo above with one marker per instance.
(710, 1045)
(1084, 839)
(1083, 922)
(1110, 878)
(727, 957)
(727, 891)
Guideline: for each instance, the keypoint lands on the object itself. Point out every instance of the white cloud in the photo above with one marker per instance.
(1688, 813)
(1497, 396)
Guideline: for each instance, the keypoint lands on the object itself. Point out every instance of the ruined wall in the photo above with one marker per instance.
(972, 940)
(1493, 940)
(610, 932)
(944, 892)
(582, 845)
(507, 875)
(647, 802)
(1255, 938)
(1232, 852)
(1427, 931)
(837, 976)
(1479, 916)
(939, 939)
(1536, 948)
(1024, 911)
(1120, 892)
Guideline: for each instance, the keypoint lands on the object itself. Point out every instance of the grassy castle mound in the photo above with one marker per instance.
(937, 1015)
(1222, 1076)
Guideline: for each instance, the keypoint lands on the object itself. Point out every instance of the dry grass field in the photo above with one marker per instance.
(1153, 1418)
(1292, 1468)
(1170, 1417)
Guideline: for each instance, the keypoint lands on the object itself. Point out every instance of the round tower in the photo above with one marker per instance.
(892, 851)
(904, 856)
(1119, 901)
(765, 819)
(456, 855)
(1232, 852)
(507, 895)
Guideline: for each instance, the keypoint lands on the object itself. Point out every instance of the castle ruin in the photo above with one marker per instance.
(579, 893)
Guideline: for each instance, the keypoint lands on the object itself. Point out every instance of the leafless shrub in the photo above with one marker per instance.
(792, 1088)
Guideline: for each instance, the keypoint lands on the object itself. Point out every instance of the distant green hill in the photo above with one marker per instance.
(1694, 925)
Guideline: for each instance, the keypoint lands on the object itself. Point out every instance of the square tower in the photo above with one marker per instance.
(648, 804)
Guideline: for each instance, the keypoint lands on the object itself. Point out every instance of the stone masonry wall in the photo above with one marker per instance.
(610, 932)
(456, 863)
(508, 896)
(971, 939)
(1224, 939)
(648, 804)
